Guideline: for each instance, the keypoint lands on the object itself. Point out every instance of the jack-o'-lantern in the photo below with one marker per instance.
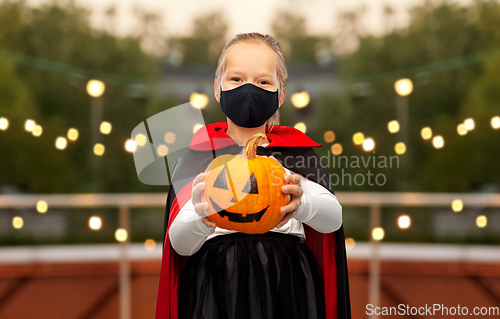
(243, 191)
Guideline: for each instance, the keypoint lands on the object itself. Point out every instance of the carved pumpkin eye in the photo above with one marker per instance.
(221, 181)
(251, 185)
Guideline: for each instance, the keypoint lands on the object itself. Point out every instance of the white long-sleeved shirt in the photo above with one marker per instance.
(319, 209)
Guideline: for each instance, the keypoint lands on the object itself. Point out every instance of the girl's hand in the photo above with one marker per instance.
(200, 206)
(294, 190)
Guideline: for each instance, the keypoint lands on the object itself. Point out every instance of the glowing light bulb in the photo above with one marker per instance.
(426, 133)
(404, 222)
(393, 126)
(300, 99)
(457, 205)
(368, 144)
(336, 149)
(378, 233)
(403, 87)
(95, 88)
(301, 126)
(42, 206)
(400, 148)
(438, 141)
(469, 124)
(329, 136)
(358, 138)
(95, 222)
(99, 149)
(121, 234)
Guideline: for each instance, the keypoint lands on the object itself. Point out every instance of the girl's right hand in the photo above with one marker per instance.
(200, 206)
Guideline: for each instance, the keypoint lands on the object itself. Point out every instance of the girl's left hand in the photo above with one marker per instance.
(293, 188)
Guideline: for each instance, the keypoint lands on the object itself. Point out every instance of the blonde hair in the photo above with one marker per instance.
(255, 37)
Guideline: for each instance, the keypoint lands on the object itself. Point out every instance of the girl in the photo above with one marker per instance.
(296, 270)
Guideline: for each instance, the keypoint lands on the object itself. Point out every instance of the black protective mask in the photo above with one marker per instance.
(249, 105)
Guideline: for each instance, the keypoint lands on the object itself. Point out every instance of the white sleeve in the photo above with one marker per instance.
(187, 232)
(319, 208)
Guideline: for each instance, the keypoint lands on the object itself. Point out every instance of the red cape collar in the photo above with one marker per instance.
(213, 136)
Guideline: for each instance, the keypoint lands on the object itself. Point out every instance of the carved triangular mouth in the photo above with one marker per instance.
(238, 218)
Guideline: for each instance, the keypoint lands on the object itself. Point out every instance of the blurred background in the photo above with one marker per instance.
(406, 93)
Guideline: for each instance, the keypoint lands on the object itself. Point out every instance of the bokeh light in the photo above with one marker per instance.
(426, 133)
(149, 244)
(438, 141)
(170, 138)
(393, 126)
(457, 205)
(95, 88)
(400, 148)
(42, 206)
(301, 126)
(336, 149)
(329, 136)
(29, 125)
(350, 243)
(105, 127)
(37, 131)
(130, 146)
(121, 234)
(95, 222)
(404, 222)
(495, 122)
(469, 124)
(378, 233)
(481, 221)
(300, 99)
(61, 143)
(4, 123)
(196, 127)
(17, 222)
(403, 87)
(198, 100)
(368, 144)
(162, 150)
(140, 139)
(72, 134)
(99, 149)
(461, 129)
(358, 138)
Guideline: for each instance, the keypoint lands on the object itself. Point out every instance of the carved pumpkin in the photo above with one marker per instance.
(243, 192)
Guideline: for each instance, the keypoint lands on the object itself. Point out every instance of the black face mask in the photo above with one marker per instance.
(249, 105)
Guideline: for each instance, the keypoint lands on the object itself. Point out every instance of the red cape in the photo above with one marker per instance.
(324, 246)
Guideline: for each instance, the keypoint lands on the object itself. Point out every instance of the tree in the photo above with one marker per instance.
(47, 42)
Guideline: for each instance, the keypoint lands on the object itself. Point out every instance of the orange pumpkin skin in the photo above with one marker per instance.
(243, 192)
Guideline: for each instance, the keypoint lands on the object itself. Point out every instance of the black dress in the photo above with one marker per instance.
(243, 276)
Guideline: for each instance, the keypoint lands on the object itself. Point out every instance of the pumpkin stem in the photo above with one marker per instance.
(250, 150)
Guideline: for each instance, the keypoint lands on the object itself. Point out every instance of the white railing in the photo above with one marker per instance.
(375, 201)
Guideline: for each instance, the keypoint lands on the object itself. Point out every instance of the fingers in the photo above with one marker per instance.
(201, 208)
(199, 178)
(292, 206)
(285, 219)
(294, 190)
(293, 179)
(198, 188)
(207, 222)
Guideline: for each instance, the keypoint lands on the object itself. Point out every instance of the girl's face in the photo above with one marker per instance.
(250, 63)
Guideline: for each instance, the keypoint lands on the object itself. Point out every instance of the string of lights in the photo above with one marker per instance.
(117, 79)
(96, 88)
(428, 69)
